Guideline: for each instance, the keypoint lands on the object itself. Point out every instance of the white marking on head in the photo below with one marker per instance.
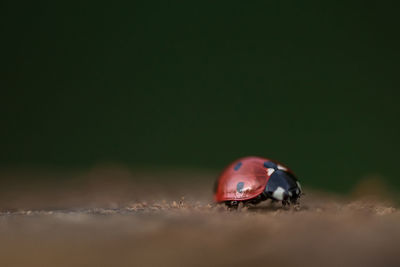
(280, 167)
(278, 193)
(298, 185)
(270, 171)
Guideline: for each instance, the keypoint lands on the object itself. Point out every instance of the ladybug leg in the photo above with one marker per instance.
(285, 203)
(232, 204)
(246, 203)
(254, 201)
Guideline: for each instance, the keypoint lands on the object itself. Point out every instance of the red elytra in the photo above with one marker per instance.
(243, 179)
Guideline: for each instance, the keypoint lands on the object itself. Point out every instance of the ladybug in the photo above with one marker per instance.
(254, 179)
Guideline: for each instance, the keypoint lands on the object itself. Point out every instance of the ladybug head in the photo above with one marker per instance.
(283, 186)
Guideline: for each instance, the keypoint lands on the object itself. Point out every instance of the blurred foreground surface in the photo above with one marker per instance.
(110, 219)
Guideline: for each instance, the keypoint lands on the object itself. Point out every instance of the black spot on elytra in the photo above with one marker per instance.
(239, 187)
(237, 166)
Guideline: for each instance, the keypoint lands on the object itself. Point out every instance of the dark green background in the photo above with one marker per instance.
(187, 84)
